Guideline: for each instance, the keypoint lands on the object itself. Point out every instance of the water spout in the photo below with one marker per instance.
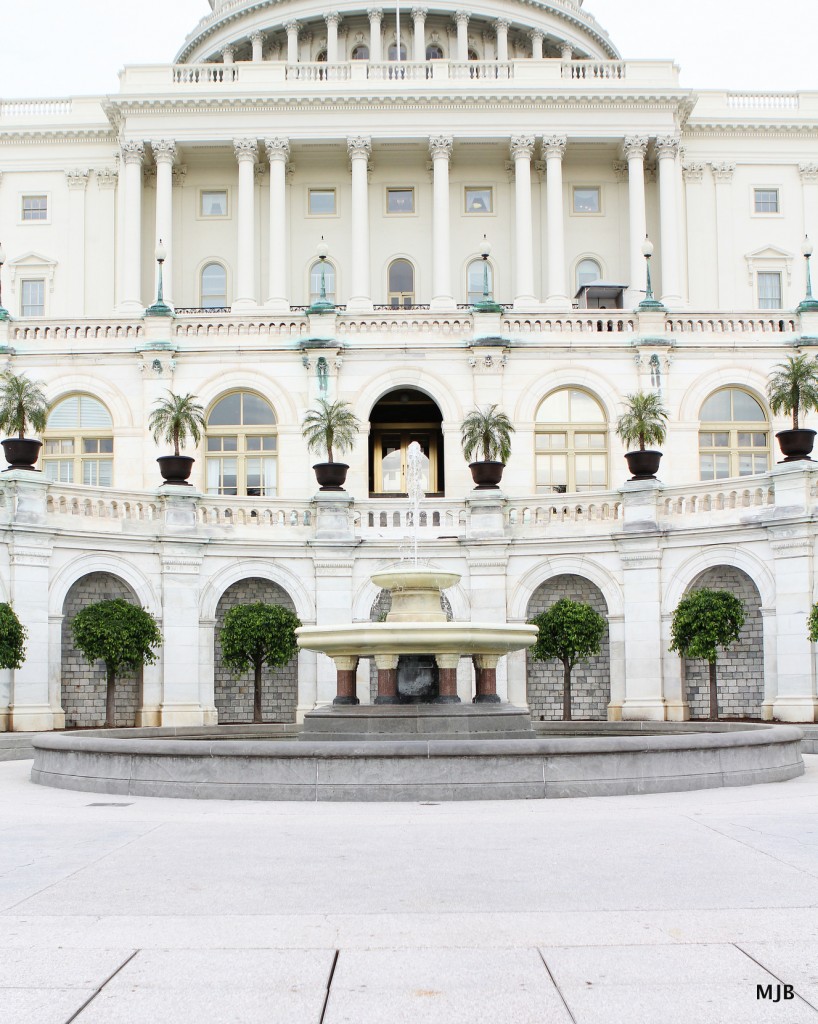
(416, 486)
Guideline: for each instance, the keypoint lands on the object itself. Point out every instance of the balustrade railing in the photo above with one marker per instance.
(562, 509)
(88, 330)
(587, 323)
(763, 100)
(98, 503)
(594, 70)
(36, 108)
(261, 512)
(717, 323)
(718, 496)
(391, 518)
(481, 69)
(205, 74)
(318, 71)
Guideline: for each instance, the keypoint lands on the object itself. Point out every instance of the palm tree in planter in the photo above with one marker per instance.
(22, 403)
(487, 432)
(793, 389)
(173, 420)
(332, 427)
(643, 422)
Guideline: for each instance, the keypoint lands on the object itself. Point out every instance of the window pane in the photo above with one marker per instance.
(33, 298)
(393, 52)
(434, 52)
(584, 409)
(401, 276)
(745, 407)
(554, 409)
(761, 463)
(766, 200)
(329, 281)
(93, 413)
(322, 201)
(256, 410)
(35, 208)
(769, 291)
(717, 408)
(214, 286)
(227, 411)
(552, 473)
(214, 204)
(65, 414)
(587, 271)
(60, 472)
(400, 200)
(478, 200)
(586, 200)
(475, 279)
(360, 52)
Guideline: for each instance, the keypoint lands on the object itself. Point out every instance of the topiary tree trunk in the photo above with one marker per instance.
(566, 690)
(714, 692)
(258, 665)
(110, 696)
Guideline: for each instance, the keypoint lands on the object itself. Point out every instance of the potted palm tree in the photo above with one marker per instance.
(793, 389)
(643, 422)
(487, 432)
(22, 403)
(332, 426)
(173, 420)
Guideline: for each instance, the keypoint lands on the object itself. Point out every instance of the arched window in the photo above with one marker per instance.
(315, 281)
(571, 443)
(241, 446)
(360, 52)
(393, 51)
(214, 286)
(434, 52)
(588, 270)
(475, 280)
(473, 55)
(401, 280)
(78, 443)
(734, 436)
(321, 56)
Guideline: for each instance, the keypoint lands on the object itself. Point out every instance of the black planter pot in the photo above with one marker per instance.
(486, 475)
(331, 475)
(175, 469)
(21, 453)
(643, 465)
(795, 445)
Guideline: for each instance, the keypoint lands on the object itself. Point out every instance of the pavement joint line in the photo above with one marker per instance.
(329, 986)
(92, 997)
(556, 986)
(748, 846)
(773, 975)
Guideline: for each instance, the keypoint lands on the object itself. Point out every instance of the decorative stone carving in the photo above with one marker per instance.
(164, 150)
(809, 172)
(522, 147)
(502, 23)
(667, 147)
(359, 146)
(723, 171)
(257, 38)
(440, 147)
(554, 145)
(107, 177)
(292, 26)
(620, 169)
(133, 151)
(373, 13)
(332, 17)
(635, 146)
(650, 172)
(259, 171)
(693, 170)
(418, 13)
(277, 149)
(77, 179)
(228, 54)
(245, 149)
(149, 177)
(461, 17)
(179, 174)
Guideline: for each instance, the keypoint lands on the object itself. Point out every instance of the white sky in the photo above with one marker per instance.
(74, 47)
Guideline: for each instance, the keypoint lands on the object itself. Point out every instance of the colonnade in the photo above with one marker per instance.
(359, 148)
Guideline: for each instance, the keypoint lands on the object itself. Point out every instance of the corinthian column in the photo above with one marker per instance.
(131, 298)
(246, 150)
(440, 147)
(359, 149)
(522, 148)
(291, 28)
(635, 149)
(278, 153)
(419, 20)
(257, 42)
(375, 15)
(332, 18)
(537, 36)
(667, 152)
(554, 150)
(164, 153)
(461, 19)
(501, 27)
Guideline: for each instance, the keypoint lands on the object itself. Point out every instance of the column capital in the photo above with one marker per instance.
(440, 147)
(620, 169)
(277, 149)
(228, 53)
(374, 13)
(245, 149)
(522, 147)
(77, 179)
(359, 146)
(461, 17)
(808, 172)
(257, 37)
(179, 174)
(536, 33)
(502, 24)
(635, 147)
(692, 170)
(723, 170)
(107, 177)
(554, 146)
(133, 151)
(667, 147)
(566, 51)
(164, 150)
(292, 26)
(419, 13)
(332, 17)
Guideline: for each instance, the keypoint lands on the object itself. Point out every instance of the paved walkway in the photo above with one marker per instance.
(650, 909)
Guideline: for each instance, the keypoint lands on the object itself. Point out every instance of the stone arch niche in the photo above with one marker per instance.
(399, 417)
(740, 676)
(83, 685)
(590, 680)
(408, 665)
(234, 694)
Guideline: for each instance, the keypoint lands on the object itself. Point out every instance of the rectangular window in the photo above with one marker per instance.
(400, 200)
(222, 476)
(479, 200)
(59, 471)
(765, 200)
(714, 467)
(769, 290)
(587, 199)
(32, 298)
(214, 204)
(35, 208)
(322, 202)
(97, 472)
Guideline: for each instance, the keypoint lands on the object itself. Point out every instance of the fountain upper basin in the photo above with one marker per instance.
(362, 639)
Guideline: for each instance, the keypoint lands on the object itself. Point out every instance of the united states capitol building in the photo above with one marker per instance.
(481, 183)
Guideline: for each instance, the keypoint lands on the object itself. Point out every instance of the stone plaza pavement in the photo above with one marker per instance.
(649, 909)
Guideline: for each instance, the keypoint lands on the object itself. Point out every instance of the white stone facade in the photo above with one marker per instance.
(271, 132)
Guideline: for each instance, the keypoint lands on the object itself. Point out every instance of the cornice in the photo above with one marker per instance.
(727, 129)
(48, 134)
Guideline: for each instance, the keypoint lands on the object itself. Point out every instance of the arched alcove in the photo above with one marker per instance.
(400, 417)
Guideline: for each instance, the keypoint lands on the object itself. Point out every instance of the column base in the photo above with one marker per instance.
(796, 709)
(30, 718)
(645, 710)
(614, 712)
(148, 718)
(359, 304)
(4, 720)
(486, 698)
(677, 711)
(181, 714)
(387, 700)
(277, 306)
(443, 303)
(767, 711)
(129, 306)
(526, 302)
(447, 699)
(345, 700)
(562, 304)
(243, 305)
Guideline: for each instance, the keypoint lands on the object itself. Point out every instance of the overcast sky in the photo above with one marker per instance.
(74, 47)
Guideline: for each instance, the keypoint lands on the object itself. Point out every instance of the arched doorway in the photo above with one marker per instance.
(399, 418)
(740, 669)
(83, 685)
(233, 695)
(590, 680)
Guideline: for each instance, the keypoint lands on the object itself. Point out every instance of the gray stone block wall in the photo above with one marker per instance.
(590, 680)
(84, 684)
(740, 669)
(234, 695)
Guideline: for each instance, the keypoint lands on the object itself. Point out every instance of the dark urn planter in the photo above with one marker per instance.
(331, 475)
(795, 445)
(175, 469)
(21, 453)
(486, 475)
(643, 465)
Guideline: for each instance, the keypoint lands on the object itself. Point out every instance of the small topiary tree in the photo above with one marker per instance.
(704, 621)
(258, 634)
(121, 634)
(570, 631)
(12, 638)
(812, 623)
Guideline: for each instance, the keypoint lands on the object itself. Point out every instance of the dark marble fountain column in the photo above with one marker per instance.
(346, 667)
(387, 665)
(447, 678)
(486, 668)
